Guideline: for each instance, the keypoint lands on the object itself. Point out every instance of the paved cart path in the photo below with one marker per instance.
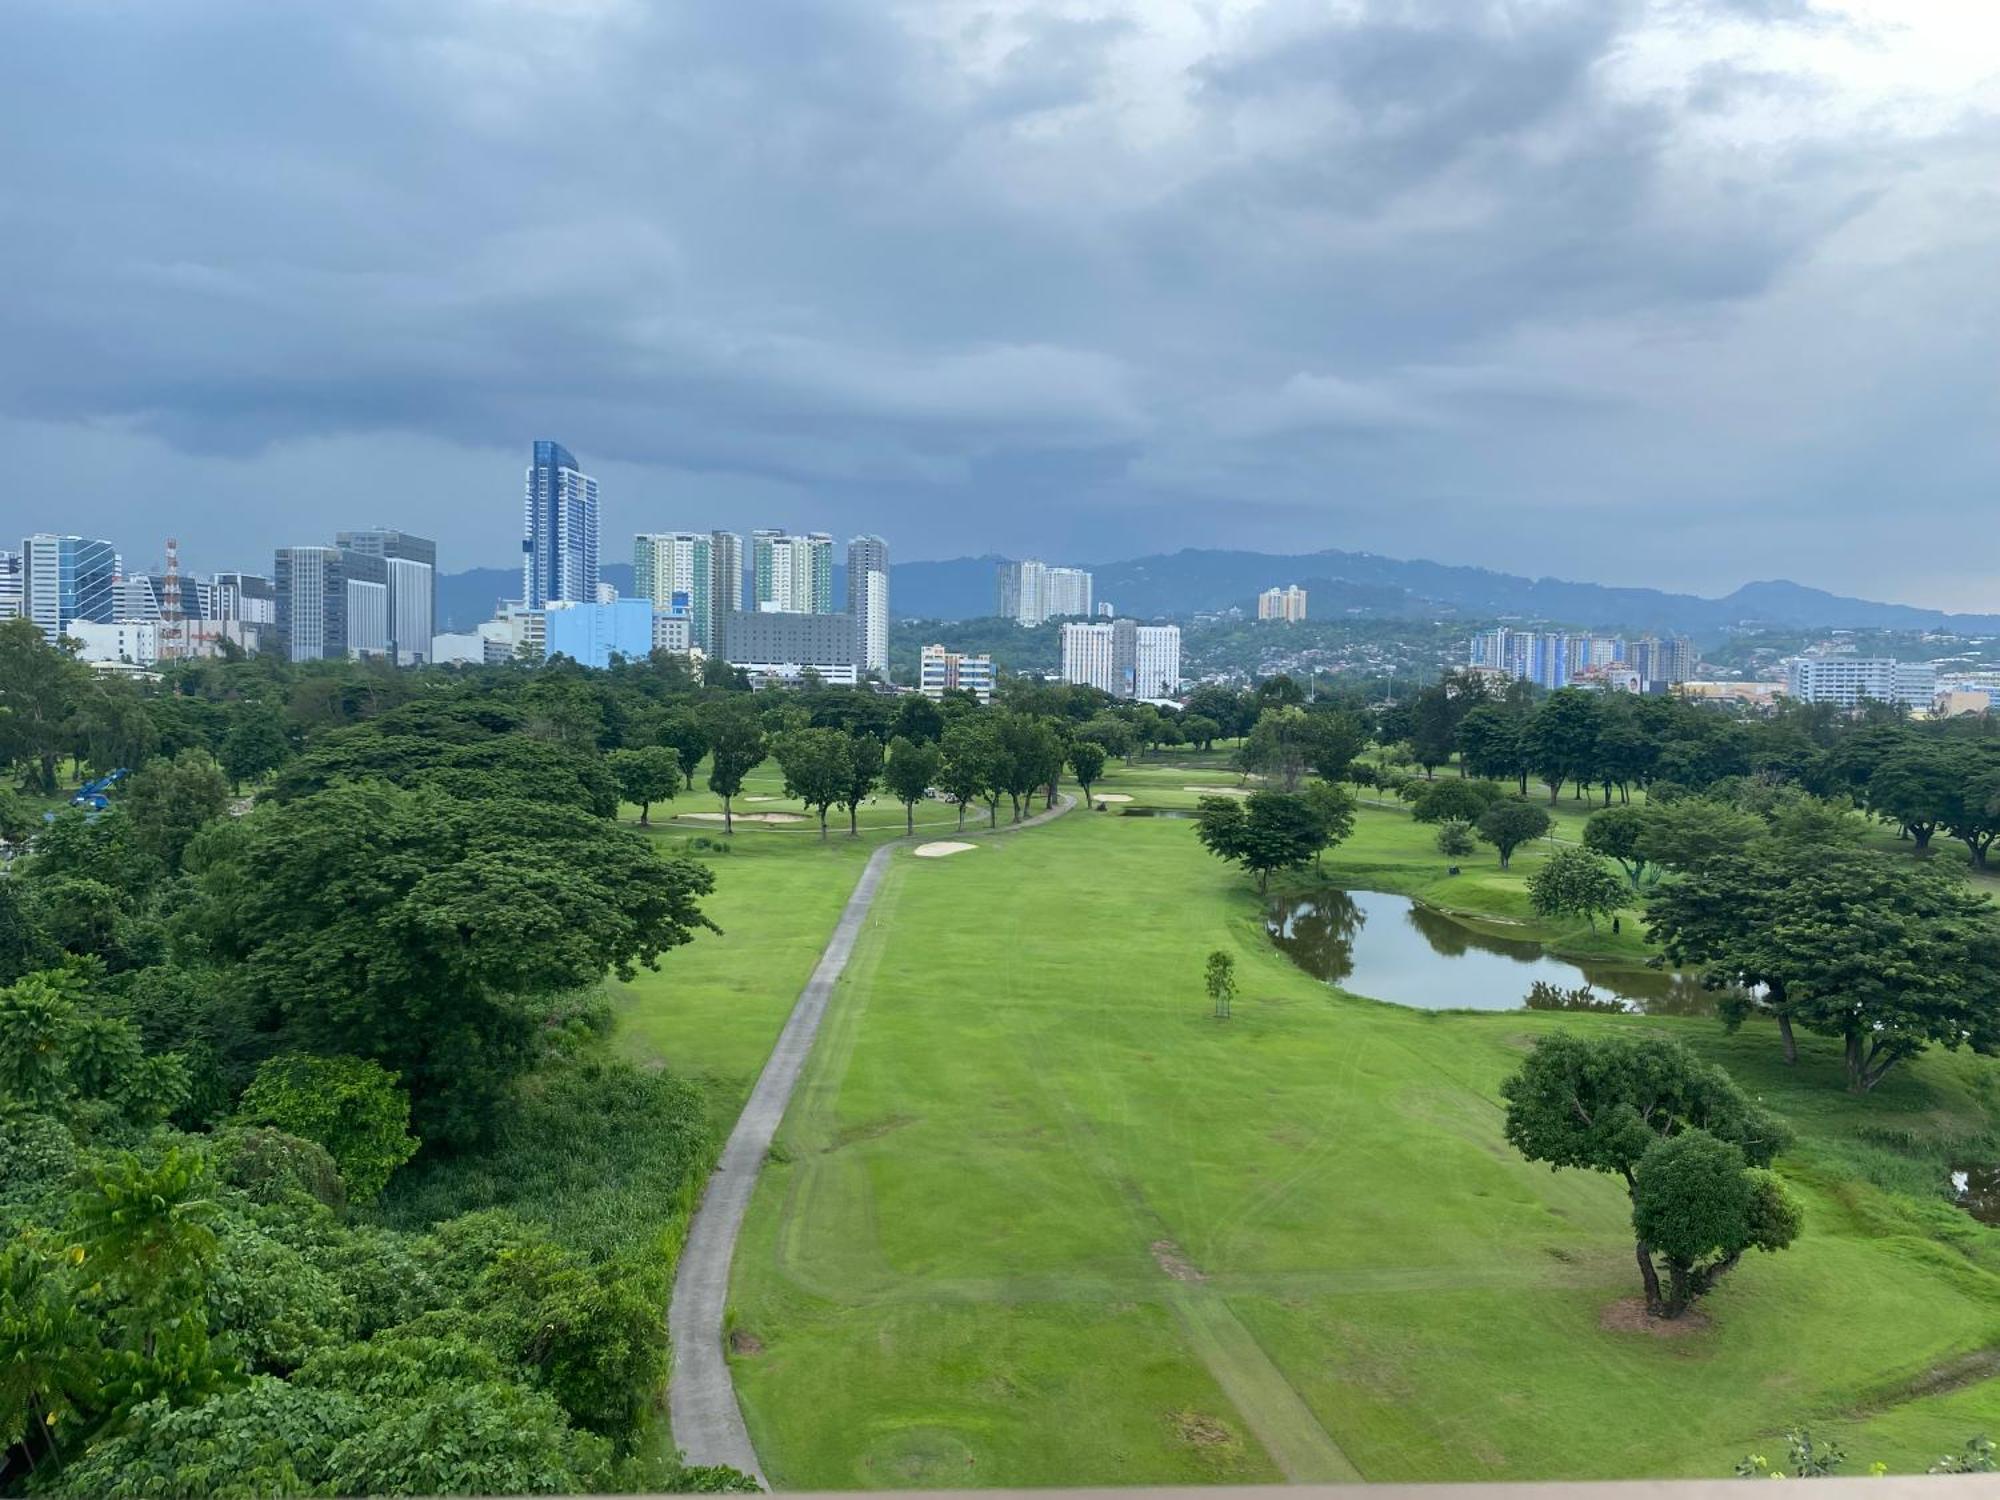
(707, 1421)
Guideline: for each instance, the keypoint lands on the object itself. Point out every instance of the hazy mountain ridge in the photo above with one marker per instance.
(1197, 580)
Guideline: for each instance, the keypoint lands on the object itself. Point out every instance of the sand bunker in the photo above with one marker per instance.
(1220, 791)
(763, 799)
(939, 851)
(748, 817)
(1112, 797)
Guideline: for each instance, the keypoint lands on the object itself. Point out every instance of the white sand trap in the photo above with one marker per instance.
(939, 851)
(763, 799)
(748, 817)
(1220, 791)
(1112, 797)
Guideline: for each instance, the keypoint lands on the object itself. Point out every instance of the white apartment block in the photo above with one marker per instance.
(868, 601)
(940, 671)
(1849, 680)
(10, 585)
(1032, 592)
(136, 642)
(1123, 658)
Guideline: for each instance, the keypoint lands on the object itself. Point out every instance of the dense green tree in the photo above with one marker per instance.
(1030, 755)
(736, 746)
(1334, 808)
(348, 1105)
(918, 719)
(969, 757)
(1510, 823)
(168, 801)
(1086, 764)
(680, 730)
(1616, 832)
(1561, 738)
(1455, 838)
(911, 772)
(1917, 786)
(1599, 1103)
(1686, 834)
(1461, 799)
(1279, 746)
(1492, 744)
(1202, 732)
(1574, 882)
(864, 774)
(41, 688)
(255, 744)
(646, 775)
(816, 764)
(1219, 979)
(1699, 1205)
(1265, 832)
(422, 930)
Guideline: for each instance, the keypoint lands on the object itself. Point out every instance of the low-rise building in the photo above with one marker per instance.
(783, 645)
(940, 671)
(1847, 681)
(136, 642)
(597, 634)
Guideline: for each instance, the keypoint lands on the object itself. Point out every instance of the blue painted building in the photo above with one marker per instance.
(592, 634)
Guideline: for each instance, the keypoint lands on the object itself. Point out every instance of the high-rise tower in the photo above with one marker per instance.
(559, 535)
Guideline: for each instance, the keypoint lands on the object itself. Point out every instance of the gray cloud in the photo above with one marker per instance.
(1650, 290)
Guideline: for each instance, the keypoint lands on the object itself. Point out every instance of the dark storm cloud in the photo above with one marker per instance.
(1568, 275)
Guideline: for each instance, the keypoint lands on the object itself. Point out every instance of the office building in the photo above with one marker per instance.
(674, 633)
(1847, 681)
(143, 596)
(595, 635)
(868, 601)
(785, 644)
(675, 570)
(249, 597)
(1123, 658)
(1287, 604)
(1031, 592)
(791, 574)
(559, 536)
(331, 603)
(10, 585)
(940, 671)
(65, 579)
(410, 574)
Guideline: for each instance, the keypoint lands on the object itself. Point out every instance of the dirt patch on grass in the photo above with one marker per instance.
(1629, 1315)
(941, 849)
(1199, 1430)
(742, 1341)
(868, 1131)
(1174, 1262)
(1938, 1380)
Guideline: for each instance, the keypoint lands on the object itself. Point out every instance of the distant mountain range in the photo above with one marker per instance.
(1338, 583)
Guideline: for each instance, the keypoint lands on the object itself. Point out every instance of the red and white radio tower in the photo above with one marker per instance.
(173, 626)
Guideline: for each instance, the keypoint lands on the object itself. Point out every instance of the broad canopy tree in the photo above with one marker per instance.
(1601, 1103)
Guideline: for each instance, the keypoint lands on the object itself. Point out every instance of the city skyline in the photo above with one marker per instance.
(1246, 278)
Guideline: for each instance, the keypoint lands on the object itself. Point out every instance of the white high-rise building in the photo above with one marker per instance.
(1848, 681)
(559, 537)
(10, 585)
(791, 574)
(868, 601)
(1031, 592)
(1123, 658)
(67, 578)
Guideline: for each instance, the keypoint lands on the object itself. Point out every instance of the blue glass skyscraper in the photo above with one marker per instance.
(67, 578)
(559, 535)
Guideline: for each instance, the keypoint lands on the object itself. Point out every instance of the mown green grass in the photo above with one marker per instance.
(1021, 1123)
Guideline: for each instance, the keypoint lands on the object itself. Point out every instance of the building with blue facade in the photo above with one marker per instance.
(65, 579)
(559, 531)
(593, 634)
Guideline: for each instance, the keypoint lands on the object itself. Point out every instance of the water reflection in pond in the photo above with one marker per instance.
(1977, 1189)
(1395, 949)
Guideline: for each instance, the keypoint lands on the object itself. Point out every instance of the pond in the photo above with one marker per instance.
(1392, 948)
(1977, 1191)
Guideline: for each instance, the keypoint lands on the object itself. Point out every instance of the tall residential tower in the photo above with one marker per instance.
(559, 537)
(868, 601)
(791, 574)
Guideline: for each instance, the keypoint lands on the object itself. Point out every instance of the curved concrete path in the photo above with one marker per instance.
(701, 1399)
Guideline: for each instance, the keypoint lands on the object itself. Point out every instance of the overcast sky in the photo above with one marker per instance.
(1674, 292)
